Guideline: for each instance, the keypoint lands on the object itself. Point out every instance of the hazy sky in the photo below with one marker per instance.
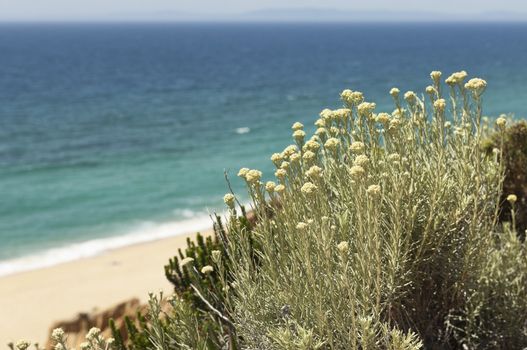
(209, 9)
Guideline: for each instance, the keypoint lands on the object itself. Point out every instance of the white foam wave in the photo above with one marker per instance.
(243, 130)
(186, 213)
(146, 232)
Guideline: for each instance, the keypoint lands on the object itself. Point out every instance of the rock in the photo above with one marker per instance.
(77, 328)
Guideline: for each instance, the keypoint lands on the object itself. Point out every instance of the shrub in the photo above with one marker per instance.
(380, 233)
(384, 231)
(184, 276)
(193, 318)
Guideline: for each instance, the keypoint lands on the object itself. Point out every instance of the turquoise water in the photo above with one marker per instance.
(118, 133)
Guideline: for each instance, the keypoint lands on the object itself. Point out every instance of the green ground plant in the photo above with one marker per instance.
(381, 232)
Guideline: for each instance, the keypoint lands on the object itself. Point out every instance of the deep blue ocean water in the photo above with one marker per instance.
(118, 133)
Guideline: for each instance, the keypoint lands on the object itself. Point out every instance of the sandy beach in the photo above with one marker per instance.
(30, 302)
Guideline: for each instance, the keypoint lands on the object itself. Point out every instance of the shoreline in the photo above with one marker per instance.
(148, 232)
(32, 301)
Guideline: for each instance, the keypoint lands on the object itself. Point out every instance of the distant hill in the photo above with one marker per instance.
(329, 14)
(313, 14)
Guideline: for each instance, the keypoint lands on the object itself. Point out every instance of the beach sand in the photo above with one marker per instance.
(30, 302)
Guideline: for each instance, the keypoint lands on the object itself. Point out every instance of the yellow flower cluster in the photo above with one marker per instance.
(314, 172)
(326, 114)
(299, 135)
(501, 121)
(332, 143)
(394, 124)
(346, 95)
(94, 332)
(311, 145)
(456, 78)
(357, 172)
(280, 173)
(297, 126)
(320, 123)
(270, 186)
(512, 198)
(440, 105)
(352, 97)
(289, 150)
(341, 113)
(430, 90)
(394, 92)
(276, 158)
(361, 160)
(229, 200)
(366, 108)
(343, 247)
(253, 176)
(435, 75)
(357, 147)
(321, 131)
(383, 118)
(57, 334)
(410, 97)
(308, 188)
(295, 157)
(476, 85)
(309, 156)
(374, 190)
(279, 188)
(243, 172)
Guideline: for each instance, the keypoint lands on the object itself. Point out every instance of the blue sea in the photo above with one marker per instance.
(114, 134)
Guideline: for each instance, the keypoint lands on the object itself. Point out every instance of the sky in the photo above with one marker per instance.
(82, 10)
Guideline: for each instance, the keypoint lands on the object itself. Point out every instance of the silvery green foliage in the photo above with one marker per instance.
(378, 231)
(495, 308)
(94, 340)
(172, 324)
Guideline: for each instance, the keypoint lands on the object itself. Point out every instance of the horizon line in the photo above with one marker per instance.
(262, 21)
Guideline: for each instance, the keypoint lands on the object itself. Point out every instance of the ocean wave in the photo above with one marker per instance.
(145, 232)
(243, 130)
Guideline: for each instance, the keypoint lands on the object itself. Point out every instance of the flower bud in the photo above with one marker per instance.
(229, 200)
(343, 247)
